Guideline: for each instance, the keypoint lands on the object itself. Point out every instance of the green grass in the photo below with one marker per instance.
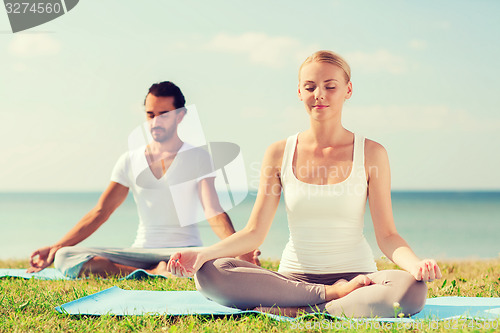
(28, 305)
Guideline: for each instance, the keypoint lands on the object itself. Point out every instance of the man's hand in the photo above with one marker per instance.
(45, 258)
(251, 257)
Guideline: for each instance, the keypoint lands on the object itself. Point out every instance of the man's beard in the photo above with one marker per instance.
(162, 134)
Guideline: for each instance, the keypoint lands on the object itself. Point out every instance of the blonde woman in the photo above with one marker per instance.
(326, 174)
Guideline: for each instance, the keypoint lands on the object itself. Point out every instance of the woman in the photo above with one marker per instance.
(326, 174)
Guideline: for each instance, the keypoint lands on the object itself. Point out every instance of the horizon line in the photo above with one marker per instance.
(477, 190)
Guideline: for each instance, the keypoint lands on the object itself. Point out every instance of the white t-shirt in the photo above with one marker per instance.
(168, 207)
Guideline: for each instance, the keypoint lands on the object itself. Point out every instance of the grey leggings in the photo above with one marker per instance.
(237, 283)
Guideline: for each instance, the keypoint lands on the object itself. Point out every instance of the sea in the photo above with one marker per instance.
(440, 225)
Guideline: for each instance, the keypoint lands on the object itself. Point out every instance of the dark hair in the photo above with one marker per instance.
(167, 89)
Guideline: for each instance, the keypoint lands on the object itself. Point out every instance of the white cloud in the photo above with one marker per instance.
(395, 118)
(272, 51)
(335, 3)
(418, 44)
(292, 119)
(33, 45)
(19, 67)
(445, 25)
(178, 46)
(379, 61)
(253, 112)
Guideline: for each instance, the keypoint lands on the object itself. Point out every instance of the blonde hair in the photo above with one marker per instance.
(331, 58)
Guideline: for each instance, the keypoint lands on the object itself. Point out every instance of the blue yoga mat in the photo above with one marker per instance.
(46, 274)
(54, 274)
(453, 307)
(117, 301)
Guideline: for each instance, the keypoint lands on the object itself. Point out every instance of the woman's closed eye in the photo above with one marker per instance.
(310, 89)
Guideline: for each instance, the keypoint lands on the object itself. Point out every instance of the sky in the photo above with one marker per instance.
(425, 78)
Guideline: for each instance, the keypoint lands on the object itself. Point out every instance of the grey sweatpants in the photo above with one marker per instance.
(237, 283)
(69, 260)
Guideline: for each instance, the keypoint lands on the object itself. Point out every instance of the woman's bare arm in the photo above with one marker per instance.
(388, 239)
(186, 263)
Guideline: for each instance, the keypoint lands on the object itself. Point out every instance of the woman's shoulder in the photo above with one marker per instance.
(274, 153)
(375, 153)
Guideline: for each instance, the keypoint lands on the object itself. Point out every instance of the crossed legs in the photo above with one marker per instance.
(232, 282)
(104, 267)
(75, 261)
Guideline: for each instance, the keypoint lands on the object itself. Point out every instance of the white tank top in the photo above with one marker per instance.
(326, 221)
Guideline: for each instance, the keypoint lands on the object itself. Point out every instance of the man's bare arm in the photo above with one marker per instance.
(218, 219)
(112, 198)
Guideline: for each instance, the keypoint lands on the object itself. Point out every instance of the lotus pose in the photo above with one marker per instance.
(326, 174)
(159, 228)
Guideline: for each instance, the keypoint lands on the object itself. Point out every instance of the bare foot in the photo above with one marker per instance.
(337, 290)
(340, 282)
(288, 312)
(343, 287)
(160, 269)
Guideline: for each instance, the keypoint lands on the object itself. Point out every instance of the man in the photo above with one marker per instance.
(144, 171)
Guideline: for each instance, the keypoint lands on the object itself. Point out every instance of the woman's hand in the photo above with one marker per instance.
(185, 264)
(426, 270)
(251, 257)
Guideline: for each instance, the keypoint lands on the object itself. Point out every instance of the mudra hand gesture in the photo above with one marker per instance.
(426, 270)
